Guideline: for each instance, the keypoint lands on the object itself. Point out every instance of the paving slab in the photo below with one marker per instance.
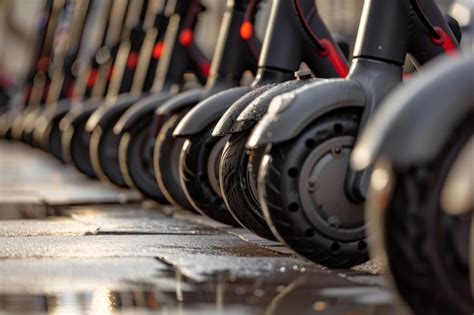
(38, 181)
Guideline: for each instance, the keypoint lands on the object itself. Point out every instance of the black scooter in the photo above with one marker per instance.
(306, 39)
(47, 132)
(310, 198)
(19, 107)
(232, 58)
(39, 79)
(420, 195)
(131, 64)
(105, 142)
(74, 140)
(135, 126)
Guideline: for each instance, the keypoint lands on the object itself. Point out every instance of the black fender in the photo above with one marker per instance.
(180, 101)
(78, 114)
(259, 107)
(50, 114)
(208, 111)
(416, 120)
(226, 123)
(105, 112)
(145, 107)
(290, 113)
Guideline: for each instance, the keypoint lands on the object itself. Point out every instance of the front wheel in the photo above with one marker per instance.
(75, 145)
(199, 174)
(238, 178)
(301, 191)
(103, 150)
(166, 163)
(136, 161)
(426, 247)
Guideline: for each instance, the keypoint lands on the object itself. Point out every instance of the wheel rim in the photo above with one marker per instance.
(321, 186)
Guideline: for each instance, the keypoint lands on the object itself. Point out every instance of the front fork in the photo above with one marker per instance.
(380, 73)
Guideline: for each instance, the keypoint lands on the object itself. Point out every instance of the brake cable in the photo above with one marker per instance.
(424, 19)
(313, 37)
(325, 46)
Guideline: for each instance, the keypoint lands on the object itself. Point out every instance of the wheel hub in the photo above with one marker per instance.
(321, 187)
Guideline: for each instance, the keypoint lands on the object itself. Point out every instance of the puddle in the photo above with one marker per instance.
(221, 294)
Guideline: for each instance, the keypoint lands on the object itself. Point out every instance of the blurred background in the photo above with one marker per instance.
(18, 18)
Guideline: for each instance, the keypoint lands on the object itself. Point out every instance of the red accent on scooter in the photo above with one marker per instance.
(158, 50)
(71, 92)
(132, 61)
(445, 41)
(186, 37)
(43, 64)
(92, 78)
(334, 57)
(205, 68)
(246, 30)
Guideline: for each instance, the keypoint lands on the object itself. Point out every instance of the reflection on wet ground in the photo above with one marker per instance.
(107, 257)
(221, 295)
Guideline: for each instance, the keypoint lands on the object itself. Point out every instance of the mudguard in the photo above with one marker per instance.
(259, 107)
(43, 122)
(102, 115)
(416, 120)
(208, 111)
(227, 121)
(144, 107)
(290, 113)
(181, 101)
(79, 113)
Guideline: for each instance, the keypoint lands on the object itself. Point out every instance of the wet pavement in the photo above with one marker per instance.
(72, 245)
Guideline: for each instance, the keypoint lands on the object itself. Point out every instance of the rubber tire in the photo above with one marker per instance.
(419, 262)
(103, 151)
(195, 181)
(278, 191)
(75, 143)
(54, 135)
(233, 175)
(167, 174)
(131, 154)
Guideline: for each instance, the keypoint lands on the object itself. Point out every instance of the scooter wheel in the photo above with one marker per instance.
(103, 150)
(301, 191)
(54, 135)
(75, 144)
(427, 249)
(199, 174)
(238, 172)
(136, 161)
(166, 163)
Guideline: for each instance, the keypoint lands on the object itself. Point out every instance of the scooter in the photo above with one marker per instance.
(72, 91)
(420, 200)
(34, 90)
(123, 71)
(420, 145)
(310, 198)
(298, 25)
(137, 137)
(104, 142)
(234, 56)
(17, 106)
(58, 89)
(74, 140)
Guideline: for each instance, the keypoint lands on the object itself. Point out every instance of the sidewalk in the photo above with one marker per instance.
(71, 244)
